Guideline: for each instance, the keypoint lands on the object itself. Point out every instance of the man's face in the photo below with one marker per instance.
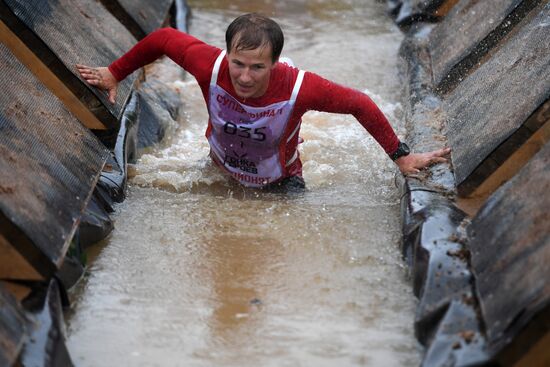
(250, 71)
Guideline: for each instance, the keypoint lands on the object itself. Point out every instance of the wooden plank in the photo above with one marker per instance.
(140, 17)
(469, 32)
(66, 32)
(490, 105)
(50, 164)
(13, 265)
(508, 169)
(48, 78)
(18, 290)
(445, 8)
(12, 328)
(510, 252)
(412, 11)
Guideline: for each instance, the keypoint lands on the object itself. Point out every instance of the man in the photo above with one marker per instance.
(255, 102)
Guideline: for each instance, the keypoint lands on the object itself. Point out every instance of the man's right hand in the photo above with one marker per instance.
(415, 162)
(100, 78)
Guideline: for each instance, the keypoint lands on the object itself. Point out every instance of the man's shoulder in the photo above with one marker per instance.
(283, 79)
(199, 60)
(281, 84)
(201, 51)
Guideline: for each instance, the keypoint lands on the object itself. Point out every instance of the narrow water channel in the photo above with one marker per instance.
(201, 272)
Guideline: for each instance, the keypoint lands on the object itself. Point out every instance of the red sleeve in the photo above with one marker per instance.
(193, 55)
(320, 94)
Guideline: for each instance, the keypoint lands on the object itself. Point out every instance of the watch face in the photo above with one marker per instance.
(402, 150)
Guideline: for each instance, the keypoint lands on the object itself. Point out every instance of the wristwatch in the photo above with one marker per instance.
(401, 151)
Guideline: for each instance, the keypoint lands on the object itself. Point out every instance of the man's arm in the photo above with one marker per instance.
(190, 53)
(323, 95)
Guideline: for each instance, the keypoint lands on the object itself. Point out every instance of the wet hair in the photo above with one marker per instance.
(250, 31)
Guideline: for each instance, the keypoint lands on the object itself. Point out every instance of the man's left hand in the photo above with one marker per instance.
(415, 162)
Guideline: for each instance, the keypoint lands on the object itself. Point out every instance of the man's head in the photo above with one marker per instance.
(254, 44)
(252, 31)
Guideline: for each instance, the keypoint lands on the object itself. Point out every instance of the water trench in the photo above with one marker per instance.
(202, 272)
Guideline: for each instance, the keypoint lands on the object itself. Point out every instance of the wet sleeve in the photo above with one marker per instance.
(190, 53)
(323, 95)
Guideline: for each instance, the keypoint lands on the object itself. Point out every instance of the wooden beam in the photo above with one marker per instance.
(13, 265)
(445, 8)
(49, 79)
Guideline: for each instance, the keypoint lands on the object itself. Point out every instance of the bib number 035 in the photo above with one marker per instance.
(244, 132)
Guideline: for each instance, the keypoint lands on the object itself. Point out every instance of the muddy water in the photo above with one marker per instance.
(201, 272)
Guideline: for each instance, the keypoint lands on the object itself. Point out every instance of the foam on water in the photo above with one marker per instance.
(329, 141)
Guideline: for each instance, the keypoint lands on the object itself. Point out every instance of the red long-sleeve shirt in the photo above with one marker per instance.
(316, 93)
